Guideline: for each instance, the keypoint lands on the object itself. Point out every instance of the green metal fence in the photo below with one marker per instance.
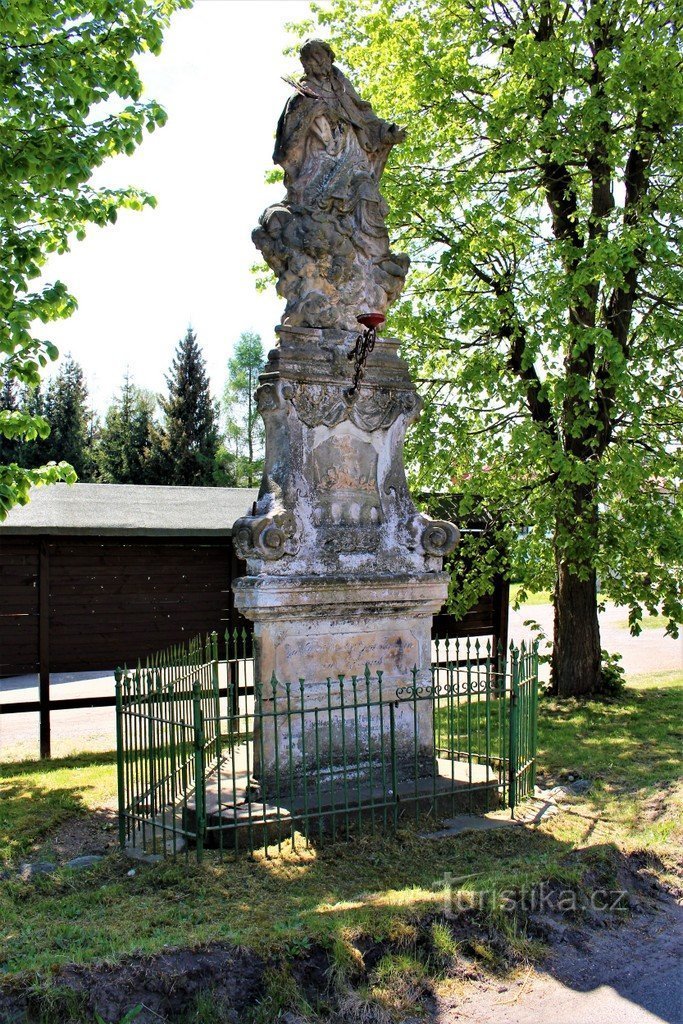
(207, 757)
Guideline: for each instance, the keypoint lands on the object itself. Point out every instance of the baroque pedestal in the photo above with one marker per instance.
(342, 570)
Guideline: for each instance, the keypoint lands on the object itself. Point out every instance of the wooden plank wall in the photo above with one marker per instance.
(111, 600)
(19, 605)
(489, 617)
(114, 600)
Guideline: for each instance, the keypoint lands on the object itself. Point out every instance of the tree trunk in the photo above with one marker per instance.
(576, 640)
(576, 658)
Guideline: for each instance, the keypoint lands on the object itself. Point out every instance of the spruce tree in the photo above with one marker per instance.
(34, 452)
(184, 448)
(125, 440)
(72, 425)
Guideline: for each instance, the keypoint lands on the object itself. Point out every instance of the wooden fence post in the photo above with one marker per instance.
(44, 647)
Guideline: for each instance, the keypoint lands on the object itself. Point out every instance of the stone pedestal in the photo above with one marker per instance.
(343, 571)
(310, 630)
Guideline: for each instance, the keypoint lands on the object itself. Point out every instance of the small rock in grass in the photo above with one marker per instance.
(87, 861)
(27, 871)
(131, 873)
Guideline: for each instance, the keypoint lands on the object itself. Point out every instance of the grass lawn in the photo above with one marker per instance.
(647, 622)
(628, 749)
(533, 598)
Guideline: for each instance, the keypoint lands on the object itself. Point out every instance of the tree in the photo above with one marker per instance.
(539, 195)
(71, 420)
(245, 428)
(125, 440)
(184, 448)
(60, 61)
(10, 447)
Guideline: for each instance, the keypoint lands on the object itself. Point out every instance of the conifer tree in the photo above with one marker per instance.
(72, 424)
(125, 440)
(10, 447)
(184, 447)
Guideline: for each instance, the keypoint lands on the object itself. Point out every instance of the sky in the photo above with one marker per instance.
(141, 282)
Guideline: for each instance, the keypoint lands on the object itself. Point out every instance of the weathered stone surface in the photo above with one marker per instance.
(334, 497)
(315, 629)
(28, 871)
(327, 240)
(88, 860)
(342, 569)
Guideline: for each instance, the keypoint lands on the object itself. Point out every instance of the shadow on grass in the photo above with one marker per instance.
(633, 741)
(363, 932)
(35, 766)
(38, 796)
(379, 894)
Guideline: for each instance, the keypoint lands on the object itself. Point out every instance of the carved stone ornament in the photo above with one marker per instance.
(329, 404)
(327, 241)
(268, 536)
(436, 537)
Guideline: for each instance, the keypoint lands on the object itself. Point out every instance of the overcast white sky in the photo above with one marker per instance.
(140, 282)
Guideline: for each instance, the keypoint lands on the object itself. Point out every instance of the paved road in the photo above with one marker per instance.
(652, 651)
(627, 975)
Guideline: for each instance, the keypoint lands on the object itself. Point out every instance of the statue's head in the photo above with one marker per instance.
(317, 57)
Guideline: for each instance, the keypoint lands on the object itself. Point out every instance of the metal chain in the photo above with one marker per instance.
(365, 343)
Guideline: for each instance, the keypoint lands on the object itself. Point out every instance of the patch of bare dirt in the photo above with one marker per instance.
(165, 986)
(93, 833)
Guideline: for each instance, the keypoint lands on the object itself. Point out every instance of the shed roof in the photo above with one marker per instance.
(130, 509)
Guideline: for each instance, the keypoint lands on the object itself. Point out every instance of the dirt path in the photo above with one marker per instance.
(627, 975)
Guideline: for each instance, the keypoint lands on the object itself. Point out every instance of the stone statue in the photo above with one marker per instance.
(342, 568)
(327, 241)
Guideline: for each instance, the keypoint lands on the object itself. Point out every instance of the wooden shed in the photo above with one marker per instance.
(94, 575)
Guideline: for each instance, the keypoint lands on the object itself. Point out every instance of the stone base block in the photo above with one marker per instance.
(452, 788)
(374, 633)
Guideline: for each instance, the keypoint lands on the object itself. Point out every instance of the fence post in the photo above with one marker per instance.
(512, 747)
(216, 692)
(199, 780)
(534, 712)
(392, 749)
(119, 759)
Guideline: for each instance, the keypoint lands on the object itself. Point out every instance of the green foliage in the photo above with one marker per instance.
(244, 429)
(73, 427)
(12, 423)
(539, 196)
(612, 676)
(125, 440)
(183, 450)
(62, 62)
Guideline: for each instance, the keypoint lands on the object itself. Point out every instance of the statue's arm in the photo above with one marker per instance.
(383, 133)
(293, 126)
